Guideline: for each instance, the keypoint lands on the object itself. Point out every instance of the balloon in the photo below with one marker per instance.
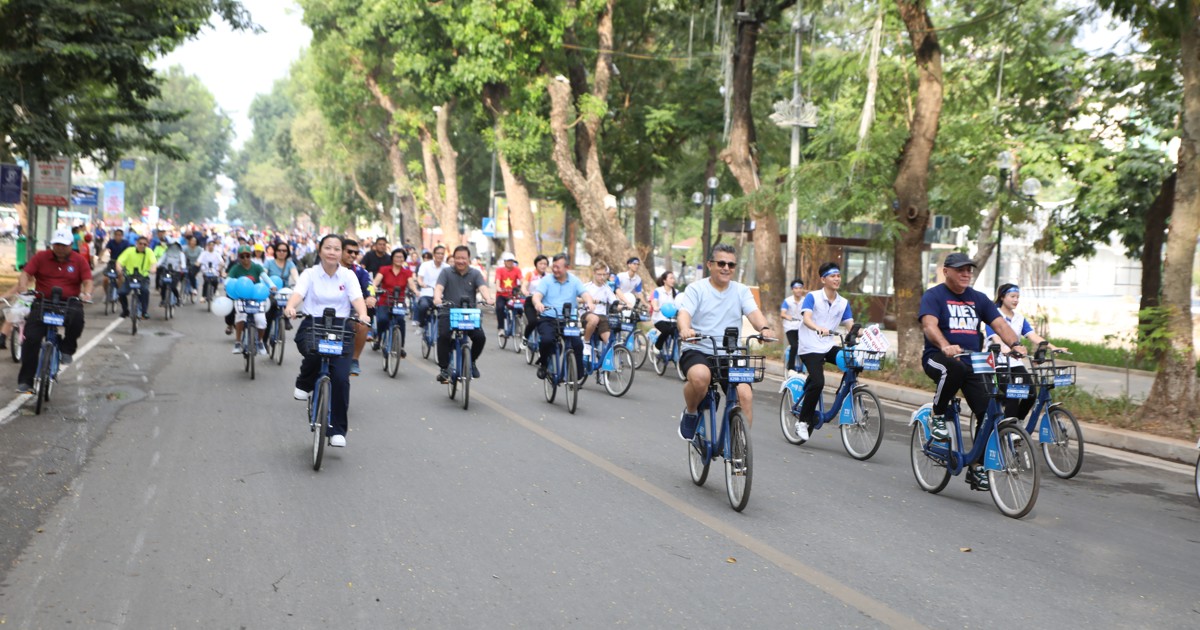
(222, 306)
(841, 361)
(262, 291)
(231, 288)
(669, 311)
(245, 288)
(277, 281)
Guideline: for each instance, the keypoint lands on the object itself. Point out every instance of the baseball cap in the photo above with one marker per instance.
(244, 249)
(958, 259)
(62, 236)
(507, 256)
(258, 247)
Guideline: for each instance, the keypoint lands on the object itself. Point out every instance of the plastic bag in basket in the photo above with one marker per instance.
(872, 338)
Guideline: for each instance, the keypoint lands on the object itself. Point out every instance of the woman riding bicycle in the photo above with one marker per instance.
(326, 285)
(532, 277)
(664, 295)
(388, 280)
(1007, 299)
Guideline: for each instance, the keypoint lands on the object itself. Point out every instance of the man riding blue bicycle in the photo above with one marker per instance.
(426, 278)
(949, 315)
(457, 285)
(549, 295)
(709, 307)
(60, 267)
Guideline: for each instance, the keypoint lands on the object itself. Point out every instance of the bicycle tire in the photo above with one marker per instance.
(678, 366)
(1198, 478)
(862, 439)
(320, 421)
(135, 318)
(392, 352)
(250, 348)
(209, 294)
(658, 362)
(42, 390)
(1014, 490)
(787, 420)
(620, 379)
(466, 376)
(425, 345)
(1064, 456)
(530, 352)
(573, 384)
(18, 340)
(503, 340)
(697, 459)
(281, 342)
(641, 349)
(518, 326)
(931, 475)
(739, 464)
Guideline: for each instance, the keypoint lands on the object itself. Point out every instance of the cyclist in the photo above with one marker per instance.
(822, 312)
(458, 284)
(665, 294)
(328, 284)
(602, 295)
(246, 267)
(62, 267)
(427, 277)
(552, 292)
(708, 307)
(350, 252)
(280, 265)
(508, 281)
(114, 247)
(388, 280)
(140, 259)
(629, 283)
(210, 258)
(532, 277)
(1008, 296)
(792, 317)
(950, 314)
(175, 260)
(192, 251)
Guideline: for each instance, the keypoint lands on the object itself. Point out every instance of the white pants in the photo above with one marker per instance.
(260, 319)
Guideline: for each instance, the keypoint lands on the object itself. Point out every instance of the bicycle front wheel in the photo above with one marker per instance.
(787, 420)
(573, 384)
(1198, 478)
(931, 474)
(698, 459)
(530, 351)
(425, 343)
(320, 420)
(620, 378)
(517, 328)
(739, 462)
(14, 344)
(640, 350)
(466, 376)
(1064, 450)
(392, 352)
(862, 438)
(1015, 488)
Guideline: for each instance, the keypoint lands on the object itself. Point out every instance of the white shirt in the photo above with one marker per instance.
(826, 314)
(428, 273)
(321, 290)
(602, 294)
(213, 257)
(792, 307)
(713, 311)
(664, 297)
(630, 283)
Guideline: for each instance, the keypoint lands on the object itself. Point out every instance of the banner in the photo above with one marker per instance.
(52, 182)
(551, 221)
(114, 204)
(501, 225)
(10, 184)
(85, 196)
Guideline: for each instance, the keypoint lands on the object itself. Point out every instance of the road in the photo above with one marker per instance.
(165, 489)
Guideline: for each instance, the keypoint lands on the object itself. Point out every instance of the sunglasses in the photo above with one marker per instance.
(243, 255)
(352, 251)
(723, 264)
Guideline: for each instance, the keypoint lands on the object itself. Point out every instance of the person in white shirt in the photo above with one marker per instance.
(792, 318)
(824, 311)
(602, 295)
(426, 278)
(629, 283)
(664, 295)
(327, 285)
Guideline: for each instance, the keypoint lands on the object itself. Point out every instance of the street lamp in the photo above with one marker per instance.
(1006, 182)
(707, 200)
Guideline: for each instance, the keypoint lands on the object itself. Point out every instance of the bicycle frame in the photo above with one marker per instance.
(842, 407)
(565, 324)
(708, 407)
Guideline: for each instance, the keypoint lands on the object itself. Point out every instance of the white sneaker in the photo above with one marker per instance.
(237, 348)
(299, 394)
(802, 430)
(792, 373)
(337, 440)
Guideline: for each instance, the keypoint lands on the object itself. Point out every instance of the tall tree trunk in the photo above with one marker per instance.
(1152, 244)
(642, 234)
(912, 178)
(516, 190)
(407, 203)
(433, 185)
(739, 156)
(447, 159)
(1174, 389)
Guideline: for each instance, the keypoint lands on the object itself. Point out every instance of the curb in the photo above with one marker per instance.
(1169, 449)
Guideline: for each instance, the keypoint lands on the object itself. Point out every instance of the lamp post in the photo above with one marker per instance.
(707, 200)
(1006, 183)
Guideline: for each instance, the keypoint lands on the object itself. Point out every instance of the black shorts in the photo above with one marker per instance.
(690, 358)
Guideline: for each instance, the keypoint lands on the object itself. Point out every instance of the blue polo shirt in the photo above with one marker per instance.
(555, 293)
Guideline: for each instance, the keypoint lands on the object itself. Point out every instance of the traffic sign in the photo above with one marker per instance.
(489, 227)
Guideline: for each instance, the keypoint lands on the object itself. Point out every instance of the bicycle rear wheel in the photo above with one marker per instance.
(18, 339)
(530, 351)
(392, 352)
(466, 376)
(931, 475)
(1015, 488)
(425, 343)
(280, 341)
(1064, 454)
(319, 422)
(739, 464)
(678, 365)
(573, 384)
(787, 420)
(618, 380)
(862, 439)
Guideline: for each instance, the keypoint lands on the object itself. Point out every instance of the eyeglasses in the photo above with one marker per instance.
(723, 264)
(243, 255)
(352, 251)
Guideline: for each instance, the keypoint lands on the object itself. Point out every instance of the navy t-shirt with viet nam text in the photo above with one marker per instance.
(958, 316)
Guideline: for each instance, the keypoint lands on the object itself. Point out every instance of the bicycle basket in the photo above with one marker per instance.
(614, 321)
(53, 313)
(335, 340)
(862, 359)
(250, 307)
(517, 303)
(1054, 375)
(739, 368)
(1014, 385)
(464, 318)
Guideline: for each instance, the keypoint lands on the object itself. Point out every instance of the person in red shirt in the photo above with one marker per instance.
(387, 281)
(58, 267)
(508, 282)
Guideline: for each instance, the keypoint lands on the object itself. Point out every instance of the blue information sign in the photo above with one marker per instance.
(489, 227)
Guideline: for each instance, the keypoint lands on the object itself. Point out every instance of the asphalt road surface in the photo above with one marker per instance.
(164, 489)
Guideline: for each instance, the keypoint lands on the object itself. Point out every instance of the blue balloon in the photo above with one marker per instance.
(670, 311)
(841, 361)
(262, 291)
(245, 288)
(231, 289)
(277, 281)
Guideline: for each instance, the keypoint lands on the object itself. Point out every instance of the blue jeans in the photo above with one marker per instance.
(424, 305)
(383, 320)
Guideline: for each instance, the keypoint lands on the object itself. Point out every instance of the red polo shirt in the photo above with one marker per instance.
(48, 273)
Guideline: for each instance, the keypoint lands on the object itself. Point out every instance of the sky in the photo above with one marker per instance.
(237, 66)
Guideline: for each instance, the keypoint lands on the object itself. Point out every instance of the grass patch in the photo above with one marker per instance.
(1108, 355)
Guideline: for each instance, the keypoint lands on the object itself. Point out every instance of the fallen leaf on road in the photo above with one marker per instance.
(965, 549)
(731, 560)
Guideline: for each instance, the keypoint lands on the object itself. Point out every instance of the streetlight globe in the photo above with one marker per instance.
(726, 197)
(697, 198)
(713, 182)
(1004, 161)
(1031, 187)
(989, 184)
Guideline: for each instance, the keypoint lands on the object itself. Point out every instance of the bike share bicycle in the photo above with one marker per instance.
(514, 322)
(1007, 454)
(211, 279)
(53, 312)
(390, 342)
(671, 347)
(331, 336)
(277, 330)
(461, 320)
(429, 331)
(625, 328)
(250, 338)
(137, 287)
(111, 297)
(561, 369)
(730, 437)
(168, 288)
(610, 361)
(856, 408)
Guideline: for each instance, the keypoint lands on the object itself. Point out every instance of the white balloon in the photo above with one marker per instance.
(222, 306)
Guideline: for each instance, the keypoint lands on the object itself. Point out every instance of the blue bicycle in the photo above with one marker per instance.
(170, 300)
(390, 338)
(625, 328)
(669, 353)
(611, 362)
(560, 369)
(331, 336)
(137, 286)
(514, 321)
(461, 321)
(1008, 458)
(277, 330)
(730, 365)
(857, 409)
(53, 314)
(429, 332)
(110, 296)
